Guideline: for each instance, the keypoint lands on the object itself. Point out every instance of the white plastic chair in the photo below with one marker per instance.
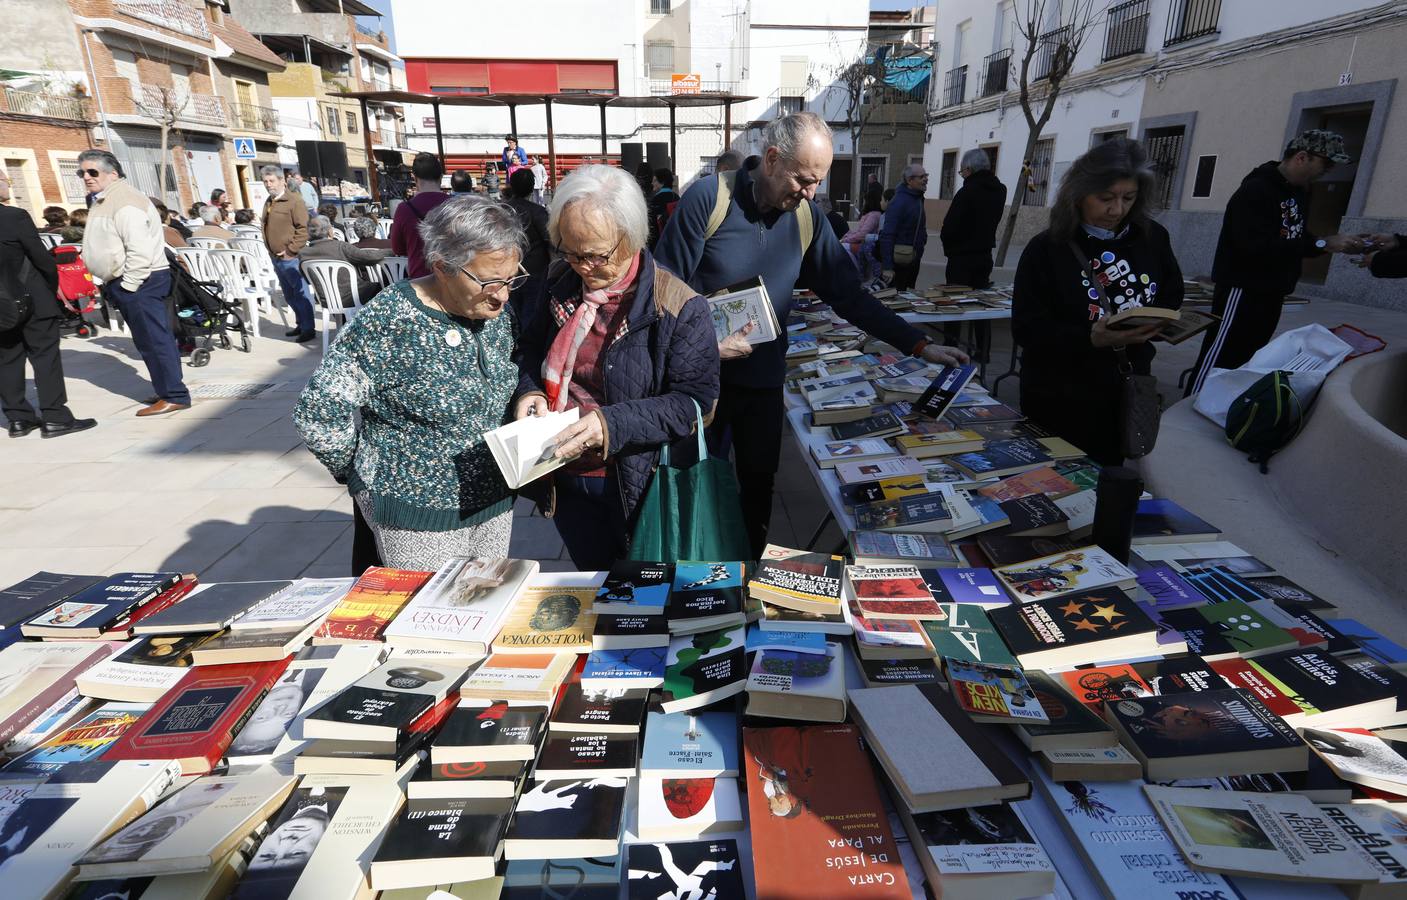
(209, 243)
(339, 233)
(265, 263)
(197, 262)
(249, 230)
(239, 276)
(390, 270)
(383, 229)
(327, 276)
(50, 240)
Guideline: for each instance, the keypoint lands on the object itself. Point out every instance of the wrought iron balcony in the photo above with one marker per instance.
(52, 105)
(1055, 55)
(1190, 19)
(254, 118)
(170, 14)
(1126, 29)
(190, 109)
(996, 72)
(955, 86)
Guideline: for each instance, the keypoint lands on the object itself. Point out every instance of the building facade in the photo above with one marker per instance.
(1211, 88)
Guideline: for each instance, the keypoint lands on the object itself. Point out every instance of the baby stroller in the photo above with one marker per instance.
(77, 292)
(203, 317)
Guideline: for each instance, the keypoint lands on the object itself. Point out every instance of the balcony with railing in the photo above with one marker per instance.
(1191, 19)
(663, 87)
(996, 71)
(189, 109)
(1054, 54)
(245, 117)
(1126, 29)
(955, 86)
(169, 14)
(53, 106)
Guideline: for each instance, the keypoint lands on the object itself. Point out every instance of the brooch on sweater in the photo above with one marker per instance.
(453, 337)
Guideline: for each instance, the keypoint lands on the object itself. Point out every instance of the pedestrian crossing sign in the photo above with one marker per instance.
(244, 148)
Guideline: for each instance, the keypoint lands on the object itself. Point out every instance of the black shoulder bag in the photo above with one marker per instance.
(1140, 404)
(16, 305)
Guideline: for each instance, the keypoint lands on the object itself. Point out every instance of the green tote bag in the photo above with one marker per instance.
(691, 513)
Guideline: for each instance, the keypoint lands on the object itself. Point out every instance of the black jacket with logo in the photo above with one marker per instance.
(1264, 234)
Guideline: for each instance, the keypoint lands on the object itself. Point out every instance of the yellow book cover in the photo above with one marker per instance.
(554, 619)
(370, 605)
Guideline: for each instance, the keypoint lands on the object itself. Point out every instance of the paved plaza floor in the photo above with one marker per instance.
(227, 490)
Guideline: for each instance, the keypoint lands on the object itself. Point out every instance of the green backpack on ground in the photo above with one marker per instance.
(1264, 418)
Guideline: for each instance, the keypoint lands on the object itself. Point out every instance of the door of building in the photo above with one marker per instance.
(1329, 195)
(206, 168)
(839, 189)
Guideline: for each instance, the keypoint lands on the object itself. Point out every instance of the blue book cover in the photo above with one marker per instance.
(1374, 644)
(800, 641)
(1168, 589)
(683, 745)
(1159, 519)
(636, 663)
(970, 585)
(704, 590)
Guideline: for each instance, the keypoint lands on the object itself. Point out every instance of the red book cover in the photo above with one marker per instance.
(892, 592)
(1097, 685)
(197, 719)
(1243, 675)
(818, 823)
(370, 605)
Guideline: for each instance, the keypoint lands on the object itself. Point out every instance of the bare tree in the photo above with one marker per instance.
(1052, 33)
(164, 105)
(858, 80)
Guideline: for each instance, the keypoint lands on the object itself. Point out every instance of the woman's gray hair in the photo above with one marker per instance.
(609, 191)
(211, 214)
(319, 227)
(266, 171)
(787, 133)
(466, 225)
(364, 227)
(976, 160)
(1096, 171)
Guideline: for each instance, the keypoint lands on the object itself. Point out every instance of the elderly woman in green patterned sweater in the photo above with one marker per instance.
(398, 409)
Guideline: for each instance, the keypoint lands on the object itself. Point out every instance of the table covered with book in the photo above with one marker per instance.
(980, 704)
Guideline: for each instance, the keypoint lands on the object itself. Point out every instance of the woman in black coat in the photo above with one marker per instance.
(1099, 227)
(26, 266)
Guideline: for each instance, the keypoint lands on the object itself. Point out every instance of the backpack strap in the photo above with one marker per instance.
(805, 219)
(805, 225)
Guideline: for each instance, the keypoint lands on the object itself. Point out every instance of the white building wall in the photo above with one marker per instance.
(299, 120)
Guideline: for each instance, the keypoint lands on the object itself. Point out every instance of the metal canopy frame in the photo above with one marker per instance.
(671, 102)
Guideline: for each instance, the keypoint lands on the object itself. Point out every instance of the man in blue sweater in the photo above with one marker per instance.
(762, 234)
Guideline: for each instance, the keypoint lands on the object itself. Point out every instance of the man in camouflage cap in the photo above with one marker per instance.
(1264, 238)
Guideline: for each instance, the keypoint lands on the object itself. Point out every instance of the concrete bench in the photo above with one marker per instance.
(1332, 512)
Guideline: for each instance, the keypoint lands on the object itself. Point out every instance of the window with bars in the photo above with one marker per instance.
(659, 56)
(351, 122)
(788, 105)
(659, 7)
(1164, 147)
(947, 175)
(70, 181)
(334, 124)
(1037, 174)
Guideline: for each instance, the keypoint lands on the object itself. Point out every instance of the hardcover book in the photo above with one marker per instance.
(687, 745)
(1220, 732)
(365, 611)
(898, 548)
(319, 844)
(305, 601)
(549, 619)
(1279, 836)
(881, 672)
(440, 841)
(567, 819)
(1326, 689)
(704, 668)
(191, 831)
(927, 513)
(196, 720)
(383, 702)
(984, 851)
(462, 612)
(1045, 481)
(795, 579)
(86, 739)
(518, 676)
(566, 755)
(1004, 550)
(705, 596)
(801, 781)
(629, 632)
(634, 588)
(1055, 576)
(655, 870)
(1091, 626)
(642, 668)
(1034, 515)
(40, 592)
(995, 694)
(1070, 725)
(209, 609)
(934, 754)
(489, 734)
(95, 610)
(786, 684)
(604, 710)
(144, 670)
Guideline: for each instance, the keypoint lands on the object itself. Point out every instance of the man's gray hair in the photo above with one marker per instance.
(729, 161)
(787, 133)
(266, 171)
(210, 214)
(976, 159)
(319, 227)
(911, 170)
(364, 227)
(609, 191)
(103, 158)
(466, 225)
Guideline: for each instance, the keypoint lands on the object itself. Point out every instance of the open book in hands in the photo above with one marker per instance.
(524, 449)
(741, 304)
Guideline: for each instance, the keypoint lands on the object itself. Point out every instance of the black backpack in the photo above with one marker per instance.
(1265, 418)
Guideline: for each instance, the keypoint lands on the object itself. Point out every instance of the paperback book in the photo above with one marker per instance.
(638, 669)
(86, 739)
(364, 611)
(1069, 725)
(548, 619)
(891, 592)
(964, 585)
(384, 702)
(602, 710)
(1097, 625)
(980, 852)
(711, 868)
(567, 820)
(567, 755)
(304, 601)
(629, 632)
(795, 579)
(1055, 576)
(944, 389)
(634, 588)
(704, 668)
(144, 670)
(489, 734)
(40, 592)
(210, 609)
(705, 596)
(100, 608)
(964, 632)
(690, 745)
(786, 684)
(899, 548)
(995, 694)
(518, 676)
(525, 449)
(441, 841)
(461, 613)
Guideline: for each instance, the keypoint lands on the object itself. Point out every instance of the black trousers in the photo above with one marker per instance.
(1248, 322)
(1081, 407)
(906, 277)
(37, 341)
(364, 552)
(971, 269)
(750, 421)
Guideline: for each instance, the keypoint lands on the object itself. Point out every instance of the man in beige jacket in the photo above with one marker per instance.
(123, 246)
